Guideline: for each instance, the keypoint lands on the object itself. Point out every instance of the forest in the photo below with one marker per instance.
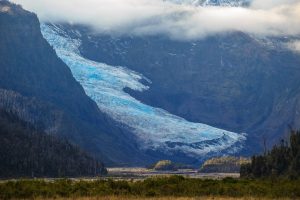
(27, 152)
(282, 161)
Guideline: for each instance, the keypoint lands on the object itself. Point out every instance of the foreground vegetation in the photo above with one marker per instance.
(165, 198)
(174, 186)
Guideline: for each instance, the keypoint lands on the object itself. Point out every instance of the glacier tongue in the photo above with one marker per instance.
(155, 128)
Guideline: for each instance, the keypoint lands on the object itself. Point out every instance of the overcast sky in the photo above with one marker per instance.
(264, 17)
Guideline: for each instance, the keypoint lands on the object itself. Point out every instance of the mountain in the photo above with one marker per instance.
(28, 152)
(39, 88)
(144, 98)
(232, 81)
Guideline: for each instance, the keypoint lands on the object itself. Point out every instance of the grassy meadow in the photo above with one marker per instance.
(174, 187)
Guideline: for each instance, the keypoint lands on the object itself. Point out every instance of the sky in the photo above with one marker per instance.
(185, 22)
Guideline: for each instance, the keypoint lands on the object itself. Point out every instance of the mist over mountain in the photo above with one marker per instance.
(235, 3)
(178, 21)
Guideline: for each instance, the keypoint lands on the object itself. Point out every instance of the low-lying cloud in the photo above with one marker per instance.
(294, 45)
(148, 17)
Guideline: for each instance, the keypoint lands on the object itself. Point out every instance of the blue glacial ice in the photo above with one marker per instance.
(155, 128)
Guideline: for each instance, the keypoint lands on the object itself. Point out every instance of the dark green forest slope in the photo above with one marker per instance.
(27, 152)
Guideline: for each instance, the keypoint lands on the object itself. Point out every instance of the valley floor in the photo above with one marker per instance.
(144, 173)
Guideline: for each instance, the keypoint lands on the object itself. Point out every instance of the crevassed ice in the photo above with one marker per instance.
(155, 128)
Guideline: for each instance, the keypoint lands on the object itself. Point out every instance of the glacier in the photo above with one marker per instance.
(154, 128)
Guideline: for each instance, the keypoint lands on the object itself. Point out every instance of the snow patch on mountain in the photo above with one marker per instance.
(155, 128)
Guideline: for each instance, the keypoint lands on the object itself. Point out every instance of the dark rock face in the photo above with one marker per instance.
(39, 88)
(230, 81)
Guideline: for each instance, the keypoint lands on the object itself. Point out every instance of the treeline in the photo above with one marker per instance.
(174, 186)
(27, 152)
(282, 160)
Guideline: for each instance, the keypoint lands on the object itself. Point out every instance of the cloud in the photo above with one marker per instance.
(266, 4)
(144, 17)
(294, 45)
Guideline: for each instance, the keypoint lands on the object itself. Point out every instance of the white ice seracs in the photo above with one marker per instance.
(155, 128)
